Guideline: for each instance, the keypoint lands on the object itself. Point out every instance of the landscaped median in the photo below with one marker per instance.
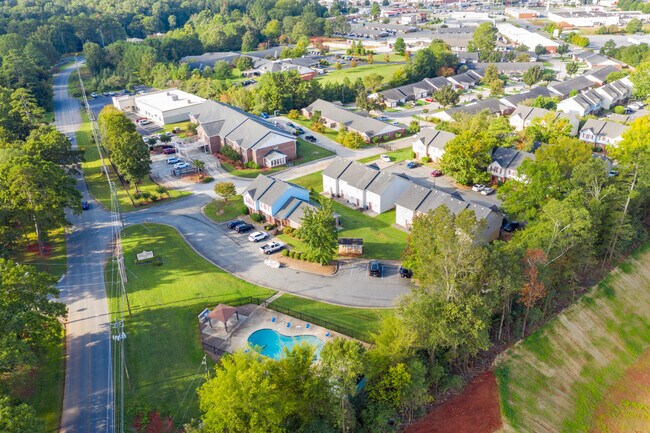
(96, 179)
(163, 349)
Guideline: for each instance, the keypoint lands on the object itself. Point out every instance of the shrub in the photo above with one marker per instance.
(257, 217)
(398, 135)
(619, 109)
(161, 190)
(207, 179)
(292, 254)
(230, 153)
(288, 230)
(243, 210)
(293, 114)
(285, 252)
(153, 197)
(317, 126)
(146, 195)
(253, 165)
(412, 155)
(137, 196)
(426, 159)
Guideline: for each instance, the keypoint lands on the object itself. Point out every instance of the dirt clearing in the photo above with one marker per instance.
(476, 410)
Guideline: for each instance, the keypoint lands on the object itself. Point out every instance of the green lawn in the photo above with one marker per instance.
(361, 321)
(327, 132)
(306, 152)
(96, 179)
(395, 156)
(220, 211)
(163, 349)
(385, 69)
(55, 263)
(311, 181)
(47, 399)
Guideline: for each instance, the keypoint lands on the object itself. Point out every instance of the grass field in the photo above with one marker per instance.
(96, 179)
(327, 132)
(395, 156)
(384, 69)
(163, 349)
(360, 320)
(47, 399)
(220, 211)
(311, 180)
(306, 152)
(557, 379)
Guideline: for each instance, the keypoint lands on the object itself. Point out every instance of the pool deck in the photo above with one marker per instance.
(261, 318)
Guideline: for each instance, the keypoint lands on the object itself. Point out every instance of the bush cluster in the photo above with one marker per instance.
(208, 179)
(257, 217)
(297, 255)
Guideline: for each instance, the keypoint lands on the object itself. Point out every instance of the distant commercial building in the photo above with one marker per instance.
(520, 13)
(523, 37)
(162, 107)
(585, 18)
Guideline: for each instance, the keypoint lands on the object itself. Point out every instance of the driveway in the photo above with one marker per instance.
(234, 253)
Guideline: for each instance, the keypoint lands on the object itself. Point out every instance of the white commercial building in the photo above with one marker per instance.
(585, 18)
(523, 37)
(161, 107)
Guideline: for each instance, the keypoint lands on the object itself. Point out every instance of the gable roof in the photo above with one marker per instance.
(258, 186)
(613, 130)
(354, 121)
(533, 93)
(529, 113)
(238, 126)
(509, 157)
(566, 87)
(383, 181)
(421, 199)
(358, 175)
(336, 168)
(601, 74)
(434, 137)
(493, 105)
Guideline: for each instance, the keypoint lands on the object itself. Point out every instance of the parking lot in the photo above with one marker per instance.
(422, 176)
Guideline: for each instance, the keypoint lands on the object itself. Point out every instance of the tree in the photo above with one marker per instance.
(225, 190)
(272, 30)
(633, 154)
(38, 192)
(446, 96)
(370, 59)
(641, 80)
(249, 42)
(562, 49)
(242, 396)
(373, 81)
(547, 129)
(414, 127)
(30, 315)
(131, 157)
(50, 145)
(491, 74)
(400, 46)
(634, 26)
(496, 88)
(18, 418)
(533, 289)
(445, 252)
(353, 63)
(26, 106)
(222, 70)
(572, 68)
(244, 63)
(608, 48)
(485, 37)
(95, 57)
(338, 66)
(318, 232)
(341, 364)
(532, 76)
(540, 50)
(466, 159)
(375, 10)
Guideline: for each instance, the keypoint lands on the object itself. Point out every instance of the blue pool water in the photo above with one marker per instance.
(271, 343)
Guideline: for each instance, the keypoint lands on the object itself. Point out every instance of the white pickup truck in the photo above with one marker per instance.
(271, 247)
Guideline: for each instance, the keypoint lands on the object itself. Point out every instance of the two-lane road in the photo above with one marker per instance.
(88, 394)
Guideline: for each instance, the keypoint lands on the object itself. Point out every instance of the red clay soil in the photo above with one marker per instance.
(33, 249)
(476, 410)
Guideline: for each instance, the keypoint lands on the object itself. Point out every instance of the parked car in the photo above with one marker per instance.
(173, 160)
(612, 173)
(234, 223)
(143, 122)
(478, 187)
(291, 125)
(300, 130)
(264, 115)
(94, 95)
(181, 165)
(412, 164)
(257, 236)
(428, 99)
(395, 122)
(243, 228)
(169, 151)
(310, 138)
(405, 273)
(510, 226)
(487, 190)
(385, 158)
(271, 247)
(383, 118)
(436, 173)
(85, 205)
(375, 269)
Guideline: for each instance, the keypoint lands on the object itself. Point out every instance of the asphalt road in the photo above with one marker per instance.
(88, 394)
(233, 252)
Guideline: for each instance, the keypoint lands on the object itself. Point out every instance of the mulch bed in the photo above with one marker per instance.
(302, 265)
(154, 424)
(476, 410)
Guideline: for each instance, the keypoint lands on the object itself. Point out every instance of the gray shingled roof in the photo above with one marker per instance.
(606, 129)
(509, 157)
(358, 175)
(336, 168)
(492, 105)
(528, 94)
(435, 137)
(413, 197)
(578, 83)
(259, 186)
(382, 181)
(354, 121)
(601, 73)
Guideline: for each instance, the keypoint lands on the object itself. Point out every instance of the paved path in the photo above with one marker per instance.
(88, 393)
(350, 286)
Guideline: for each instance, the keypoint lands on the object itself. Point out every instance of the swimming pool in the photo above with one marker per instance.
(271, 343)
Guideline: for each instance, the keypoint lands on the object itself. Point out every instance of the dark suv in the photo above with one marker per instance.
(375, 269)
(405, 273)
(243, 228)
(234, 223)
